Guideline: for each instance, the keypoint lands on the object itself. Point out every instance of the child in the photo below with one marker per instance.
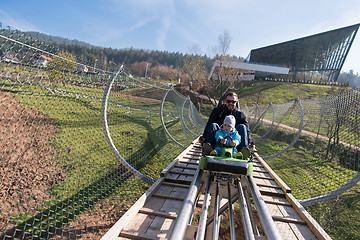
(227, 129)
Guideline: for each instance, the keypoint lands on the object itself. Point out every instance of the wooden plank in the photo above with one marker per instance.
(168, 197)
(288, 220)
(285, 231)
(263, 192)
(172, 176)
(163, 205)
(258, 165)
(273, 174)
(193, 154)
(313, 225)
(135, 235)
(189, 162)
(115, 230)
(259, 171)
(295, 227)
(190, 172)
(154, 203)
(179, 191)
(160, 228)
(138, 224)
(185, 178)
(183, 173)
(175, 161)
(195, 151)
(276, 199)
(302, 232)
(171, 206)
(273, 191)
(262, 177)
(277, 203)
(149, 211)
(185, 166)
(178, 181)
(263, 174)
(175, 184)
(267, 185)
(289, 212)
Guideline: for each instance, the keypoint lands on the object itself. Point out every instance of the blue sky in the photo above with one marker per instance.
(179, 25)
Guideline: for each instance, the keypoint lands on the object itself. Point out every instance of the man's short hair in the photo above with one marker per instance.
(231, 94)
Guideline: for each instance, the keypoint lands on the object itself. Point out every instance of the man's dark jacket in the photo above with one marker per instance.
(218, 115)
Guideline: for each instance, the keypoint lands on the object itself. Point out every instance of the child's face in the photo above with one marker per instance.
(227, 128)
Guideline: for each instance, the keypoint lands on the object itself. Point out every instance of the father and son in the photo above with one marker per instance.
(226, 126)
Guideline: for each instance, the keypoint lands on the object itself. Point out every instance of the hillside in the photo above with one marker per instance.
(263, 92)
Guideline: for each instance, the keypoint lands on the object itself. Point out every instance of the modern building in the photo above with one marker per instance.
(318, 57)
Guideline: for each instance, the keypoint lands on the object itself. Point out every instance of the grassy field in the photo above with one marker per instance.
(304, 167)
(92, 171)
(308, 173)
(94, 176)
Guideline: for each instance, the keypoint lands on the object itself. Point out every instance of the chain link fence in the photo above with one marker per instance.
(322, 167)
(59, 177)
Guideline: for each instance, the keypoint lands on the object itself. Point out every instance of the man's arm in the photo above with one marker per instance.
(241, 119)
(212, 119)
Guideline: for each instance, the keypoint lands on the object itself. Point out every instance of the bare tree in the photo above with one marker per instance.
(224, 41)
(224, 72)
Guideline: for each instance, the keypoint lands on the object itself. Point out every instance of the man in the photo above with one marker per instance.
(217, 117)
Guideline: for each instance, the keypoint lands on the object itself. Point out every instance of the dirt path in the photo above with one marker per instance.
(310, 134)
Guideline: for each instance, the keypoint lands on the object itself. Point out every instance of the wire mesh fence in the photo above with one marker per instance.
(322, 167)
(60, 178)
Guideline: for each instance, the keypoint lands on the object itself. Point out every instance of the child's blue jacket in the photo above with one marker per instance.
(222, 134)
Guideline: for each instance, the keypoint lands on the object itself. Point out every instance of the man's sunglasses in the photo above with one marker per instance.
(231, 101)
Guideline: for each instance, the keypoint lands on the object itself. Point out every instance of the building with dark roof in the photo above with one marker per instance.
(318, 57)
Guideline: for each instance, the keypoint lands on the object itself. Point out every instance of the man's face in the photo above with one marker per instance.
(230, 102)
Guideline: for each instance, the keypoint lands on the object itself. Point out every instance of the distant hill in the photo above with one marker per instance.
(90, 54)
(58, 40)
(100, 56)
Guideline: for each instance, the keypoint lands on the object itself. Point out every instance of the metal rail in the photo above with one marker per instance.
(184, 217)
(290, 221)
(297, 135)
(162, 118)
(245, 215)
(266, 220)
(204, 211)
(108, 136)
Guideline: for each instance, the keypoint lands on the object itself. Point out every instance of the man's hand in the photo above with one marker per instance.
(232, 143)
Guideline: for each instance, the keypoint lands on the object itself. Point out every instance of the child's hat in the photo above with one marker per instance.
(230, 120)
